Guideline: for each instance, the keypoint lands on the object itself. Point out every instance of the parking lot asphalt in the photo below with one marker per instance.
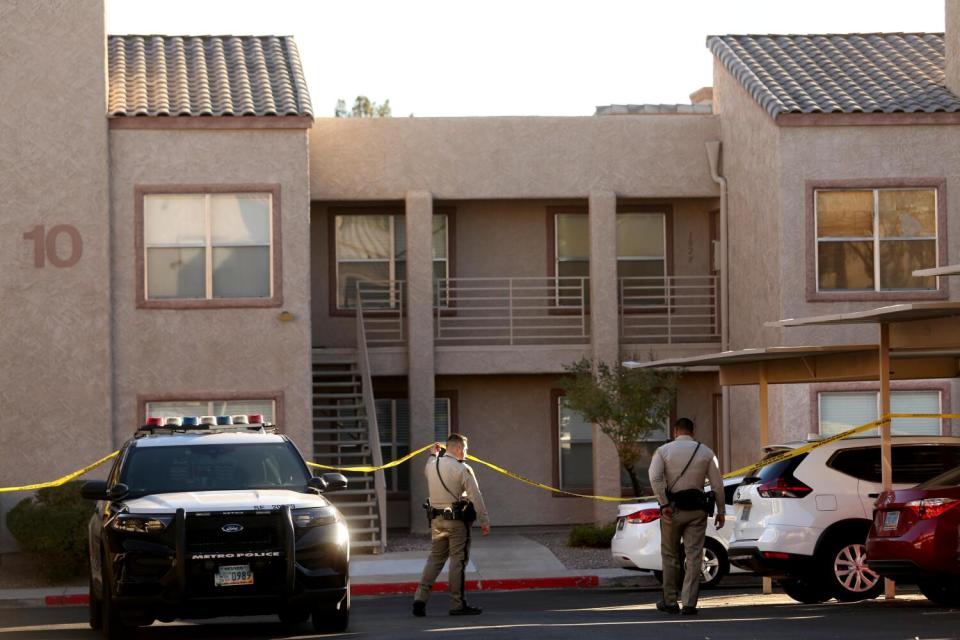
(599, 613)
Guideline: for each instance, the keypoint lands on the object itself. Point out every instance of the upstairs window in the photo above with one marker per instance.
(373, 248)
(207, 246)
(873, 239)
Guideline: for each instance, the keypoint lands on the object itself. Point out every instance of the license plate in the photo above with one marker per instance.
(233, 575)
(745, 512)
(890, 520)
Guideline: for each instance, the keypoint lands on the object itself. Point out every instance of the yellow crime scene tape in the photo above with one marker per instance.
(742, 471)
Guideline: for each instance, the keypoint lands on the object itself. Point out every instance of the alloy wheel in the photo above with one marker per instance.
(851, 570)
(711, 565)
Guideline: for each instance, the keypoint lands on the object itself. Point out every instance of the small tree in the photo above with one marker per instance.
(627, 405)
(363, 107)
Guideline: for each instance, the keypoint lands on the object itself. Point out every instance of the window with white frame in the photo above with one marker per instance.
(843, 410)
(393, 422)
(178, 408)
(874, 239)
(576, 450)
(372, 248)
(207, 245)
(641, 255)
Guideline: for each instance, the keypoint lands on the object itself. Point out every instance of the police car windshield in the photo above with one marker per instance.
(213, 467)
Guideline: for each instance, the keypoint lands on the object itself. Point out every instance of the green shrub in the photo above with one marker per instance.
(591, 535)
(52, 525)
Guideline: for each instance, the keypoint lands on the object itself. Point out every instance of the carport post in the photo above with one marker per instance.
(764, 438)
(886, 467)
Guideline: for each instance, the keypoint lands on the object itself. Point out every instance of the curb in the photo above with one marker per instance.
(356, 589)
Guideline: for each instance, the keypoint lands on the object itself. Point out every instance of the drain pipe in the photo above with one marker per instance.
(713, 156)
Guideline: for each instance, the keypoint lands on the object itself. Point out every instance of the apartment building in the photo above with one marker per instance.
(186, 237)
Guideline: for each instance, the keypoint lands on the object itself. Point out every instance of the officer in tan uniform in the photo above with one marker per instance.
(678, 472)
(453, 486)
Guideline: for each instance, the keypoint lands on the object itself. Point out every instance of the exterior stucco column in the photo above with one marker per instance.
(420, 380)
(604, 336)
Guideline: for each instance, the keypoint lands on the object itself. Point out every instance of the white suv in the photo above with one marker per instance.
(805, 520)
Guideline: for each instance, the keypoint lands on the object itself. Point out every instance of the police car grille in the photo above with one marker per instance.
(234, 532)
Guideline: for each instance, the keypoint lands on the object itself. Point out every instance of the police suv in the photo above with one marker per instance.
(214, 516)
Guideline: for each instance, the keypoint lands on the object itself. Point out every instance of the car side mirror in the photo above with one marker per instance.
(335, 482)
(117, 491)
(317, 484)
(94, 490)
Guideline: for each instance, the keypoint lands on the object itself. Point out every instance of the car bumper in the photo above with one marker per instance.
(926, 550)
(637, 546)
(768, 563)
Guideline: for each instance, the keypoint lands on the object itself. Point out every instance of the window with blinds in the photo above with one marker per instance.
(393, 423)
(842, 410)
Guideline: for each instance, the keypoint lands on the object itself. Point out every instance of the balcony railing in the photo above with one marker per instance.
(511, 311)
(383, 307)
(670, 309)
(544, 311)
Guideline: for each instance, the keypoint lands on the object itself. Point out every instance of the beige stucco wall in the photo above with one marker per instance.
(213, 350)
(55, 401)
(511, 157)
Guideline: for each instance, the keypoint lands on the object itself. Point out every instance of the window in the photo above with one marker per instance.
(173, 409)
(873, 239)
(576, 451)
(641, 253)
(207, 246)
(393, 422)
(911, 464)
(842, 410)
(373, 248)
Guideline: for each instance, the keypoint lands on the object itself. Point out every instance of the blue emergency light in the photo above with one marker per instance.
(190, 421)
(224, 420)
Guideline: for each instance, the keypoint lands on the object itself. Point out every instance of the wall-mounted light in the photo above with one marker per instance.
(285, 316)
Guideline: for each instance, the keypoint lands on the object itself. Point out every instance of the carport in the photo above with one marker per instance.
(915, 341)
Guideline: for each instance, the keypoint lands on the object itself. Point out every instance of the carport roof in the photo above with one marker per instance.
(892, 313)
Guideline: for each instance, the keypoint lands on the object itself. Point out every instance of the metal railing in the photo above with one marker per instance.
(511, 311)
(382, 306)
(669, 309)
(373, 430)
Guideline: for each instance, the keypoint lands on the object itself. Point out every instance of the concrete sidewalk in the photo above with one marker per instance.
(498, 562)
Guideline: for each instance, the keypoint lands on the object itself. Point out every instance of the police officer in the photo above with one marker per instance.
(678, 472)
(455, 502)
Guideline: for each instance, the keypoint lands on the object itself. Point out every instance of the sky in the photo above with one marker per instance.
(511, 57)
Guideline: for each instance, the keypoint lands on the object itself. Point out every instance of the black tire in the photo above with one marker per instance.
(95, 607)
(658, 576)
(716, 565)
(942, 591)
(112, 624)
(843, 570)
(333, 618)
(803, 590)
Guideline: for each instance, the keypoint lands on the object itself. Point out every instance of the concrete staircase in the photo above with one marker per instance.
(341, 438)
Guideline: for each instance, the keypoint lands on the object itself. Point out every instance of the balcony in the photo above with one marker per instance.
(669, 310)
(545, 311)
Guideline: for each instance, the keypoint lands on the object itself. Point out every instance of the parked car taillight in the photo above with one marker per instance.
(931, 507)
(644, 516)
(783, 488)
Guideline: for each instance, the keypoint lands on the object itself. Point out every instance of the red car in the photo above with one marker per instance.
(915, 537)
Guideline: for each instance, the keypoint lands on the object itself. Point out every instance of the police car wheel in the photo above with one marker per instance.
(96, 609)
(113, 626)
(331, 619)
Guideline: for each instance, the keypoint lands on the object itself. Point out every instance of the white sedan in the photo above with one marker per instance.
(636, 544)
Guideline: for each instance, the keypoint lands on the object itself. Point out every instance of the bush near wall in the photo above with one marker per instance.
(52, 525)
(591, 535)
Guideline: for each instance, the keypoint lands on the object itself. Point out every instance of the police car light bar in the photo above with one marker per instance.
(249, 422)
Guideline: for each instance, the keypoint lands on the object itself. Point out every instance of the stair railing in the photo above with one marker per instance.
(373, 431)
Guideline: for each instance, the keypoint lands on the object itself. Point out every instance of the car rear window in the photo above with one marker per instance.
(912, 464)
(949, 479)
(780, 469)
